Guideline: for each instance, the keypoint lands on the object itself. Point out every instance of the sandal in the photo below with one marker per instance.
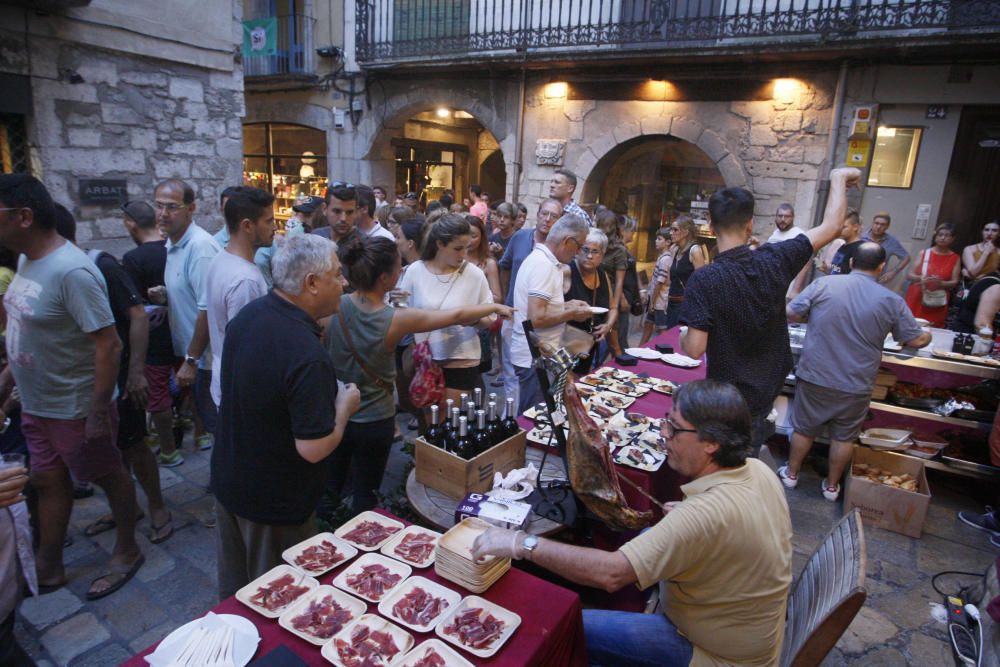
(158, 535)
(120, 575)
(106, 523)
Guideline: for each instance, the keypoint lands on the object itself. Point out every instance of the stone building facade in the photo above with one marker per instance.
(108, 103)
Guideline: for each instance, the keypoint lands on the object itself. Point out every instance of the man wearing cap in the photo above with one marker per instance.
(367, 225)
(145, 264)
(410, 200)
(309, 214)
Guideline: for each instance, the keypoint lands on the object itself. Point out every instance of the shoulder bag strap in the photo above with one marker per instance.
(382, 384)
(927, 258)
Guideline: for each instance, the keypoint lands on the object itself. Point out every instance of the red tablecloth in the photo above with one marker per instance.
(551, 630)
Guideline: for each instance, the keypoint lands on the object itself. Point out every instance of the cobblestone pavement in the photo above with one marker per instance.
(177, 583)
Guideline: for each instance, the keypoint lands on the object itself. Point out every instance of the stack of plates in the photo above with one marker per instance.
(453, 560)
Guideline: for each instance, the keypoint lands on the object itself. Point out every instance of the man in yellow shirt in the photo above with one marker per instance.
(722, 556)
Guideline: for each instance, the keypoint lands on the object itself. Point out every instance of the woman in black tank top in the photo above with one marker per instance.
(587, 282)
(688, 258)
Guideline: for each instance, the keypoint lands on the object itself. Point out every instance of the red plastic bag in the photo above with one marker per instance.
(427, 386)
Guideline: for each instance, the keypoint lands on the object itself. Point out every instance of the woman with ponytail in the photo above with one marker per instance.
(362, 341)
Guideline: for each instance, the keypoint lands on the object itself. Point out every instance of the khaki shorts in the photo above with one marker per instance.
(815, 407)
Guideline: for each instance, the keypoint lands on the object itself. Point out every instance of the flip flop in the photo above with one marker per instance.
(156, 536)
(106, 523)
(123, 572)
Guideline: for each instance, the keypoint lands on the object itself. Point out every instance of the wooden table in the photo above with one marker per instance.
(438, 509)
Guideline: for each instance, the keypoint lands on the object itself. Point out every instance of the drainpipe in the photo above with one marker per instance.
(519, 151)
(823, 192)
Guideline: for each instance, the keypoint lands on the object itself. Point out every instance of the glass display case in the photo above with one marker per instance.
(287, 160)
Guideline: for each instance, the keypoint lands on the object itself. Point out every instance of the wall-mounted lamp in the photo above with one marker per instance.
(556, 89)
(785, 90)
(443, 112)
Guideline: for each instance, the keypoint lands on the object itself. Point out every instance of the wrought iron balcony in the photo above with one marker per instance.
(395, 31)
(296, 53)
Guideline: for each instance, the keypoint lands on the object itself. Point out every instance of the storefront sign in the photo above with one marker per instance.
(103, 190)
(260, 37)
(857, 152)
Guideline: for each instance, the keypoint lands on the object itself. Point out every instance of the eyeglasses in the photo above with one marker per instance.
(590, 252)
(670, 429)
(169, 208)
(578, 244)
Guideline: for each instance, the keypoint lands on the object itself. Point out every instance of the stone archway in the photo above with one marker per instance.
(372, 143)
(682, 127)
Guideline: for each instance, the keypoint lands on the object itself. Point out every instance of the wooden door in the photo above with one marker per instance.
(971, 196)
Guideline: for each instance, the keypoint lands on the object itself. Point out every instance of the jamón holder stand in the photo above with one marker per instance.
(552, 499)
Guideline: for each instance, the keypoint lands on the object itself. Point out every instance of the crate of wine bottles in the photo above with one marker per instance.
(454, 476)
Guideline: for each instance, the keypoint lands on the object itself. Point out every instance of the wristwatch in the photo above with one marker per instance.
(529, 544)
(188, 359)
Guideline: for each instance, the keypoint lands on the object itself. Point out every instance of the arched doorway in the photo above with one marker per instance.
(654, 178)
(445, 149)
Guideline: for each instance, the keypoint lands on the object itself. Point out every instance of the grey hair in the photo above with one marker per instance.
(298, 257)
(567, 226)
(629, 224)
(598, 237)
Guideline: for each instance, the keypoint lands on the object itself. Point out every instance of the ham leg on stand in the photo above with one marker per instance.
(591, 471)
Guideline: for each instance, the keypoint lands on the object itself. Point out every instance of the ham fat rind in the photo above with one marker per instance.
(591, 471)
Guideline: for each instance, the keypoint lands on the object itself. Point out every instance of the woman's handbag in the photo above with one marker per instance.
(427, 386)
(932, 298)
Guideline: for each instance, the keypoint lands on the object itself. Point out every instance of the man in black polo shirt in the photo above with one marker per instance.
(281, 414)
(735, 307)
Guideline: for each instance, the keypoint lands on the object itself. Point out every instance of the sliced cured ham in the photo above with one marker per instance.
(370, 533)
(373, 581)
(322, 618)
(367, 648)
(278, 594)
(416, 547)
(476, 628)
(418, 607)
(430, 658)
(319, 557)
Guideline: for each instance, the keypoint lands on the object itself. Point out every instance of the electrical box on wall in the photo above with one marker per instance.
(339, 118)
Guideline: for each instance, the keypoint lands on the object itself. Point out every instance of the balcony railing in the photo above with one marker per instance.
(296, 53)
(393, 30)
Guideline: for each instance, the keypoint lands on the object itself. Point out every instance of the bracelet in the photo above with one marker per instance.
(513, 544)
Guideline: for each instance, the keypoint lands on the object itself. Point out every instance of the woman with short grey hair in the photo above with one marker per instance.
(585, 280)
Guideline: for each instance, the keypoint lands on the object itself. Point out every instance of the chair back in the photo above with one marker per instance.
(827, 595)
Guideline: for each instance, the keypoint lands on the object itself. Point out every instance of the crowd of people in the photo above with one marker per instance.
(291, 353)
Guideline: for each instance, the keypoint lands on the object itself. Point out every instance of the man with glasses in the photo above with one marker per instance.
(733, 513)
(190, 250)
(538, 296)
(518, 248)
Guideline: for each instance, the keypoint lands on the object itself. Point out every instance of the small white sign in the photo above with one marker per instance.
(922, 221)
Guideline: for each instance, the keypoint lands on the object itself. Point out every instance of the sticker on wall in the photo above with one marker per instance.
(857, 152)
(922, 221)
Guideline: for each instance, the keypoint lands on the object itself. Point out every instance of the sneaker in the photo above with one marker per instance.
(170, 461)
(153, 442)
(205, 442)
(987, 521)
(831, 493)
(790, 481)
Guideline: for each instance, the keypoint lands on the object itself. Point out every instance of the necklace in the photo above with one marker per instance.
(452, 275)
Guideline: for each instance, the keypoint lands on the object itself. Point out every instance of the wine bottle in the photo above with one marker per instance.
(493, 426)
(477, 396)
(481, 440)
(470, 413)
(462, 400)
(434, 435)
(463, 445)
(451, 440)
(446, 426)
(510, 426)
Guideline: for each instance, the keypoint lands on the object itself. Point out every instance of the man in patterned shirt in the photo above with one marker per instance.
(735, 307)
(561, 187)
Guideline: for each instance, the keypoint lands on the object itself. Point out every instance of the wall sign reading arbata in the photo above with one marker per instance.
(103, 190)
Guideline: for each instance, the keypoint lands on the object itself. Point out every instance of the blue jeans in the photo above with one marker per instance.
(631, 639)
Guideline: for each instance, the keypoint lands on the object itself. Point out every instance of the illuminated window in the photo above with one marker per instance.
(894, 157)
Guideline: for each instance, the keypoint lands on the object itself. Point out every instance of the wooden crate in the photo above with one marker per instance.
(455, 477)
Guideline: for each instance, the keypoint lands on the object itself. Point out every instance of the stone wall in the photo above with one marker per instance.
(134, 118)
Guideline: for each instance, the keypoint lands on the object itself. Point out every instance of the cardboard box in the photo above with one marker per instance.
(885, 506)
(500, 512)
(454, 476)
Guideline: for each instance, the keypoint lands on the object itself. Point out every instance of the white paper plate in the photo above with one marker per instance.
(402, 638)
(389, 546)
(510, 619)
(653, 459)
(598, 310)
(343, 548)
(680, 360)
(367, 516)
(453, 598)
(245, 594)
(394, 566)
(245, 639)
(450, 656)
(351, 603)
(643, 353)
